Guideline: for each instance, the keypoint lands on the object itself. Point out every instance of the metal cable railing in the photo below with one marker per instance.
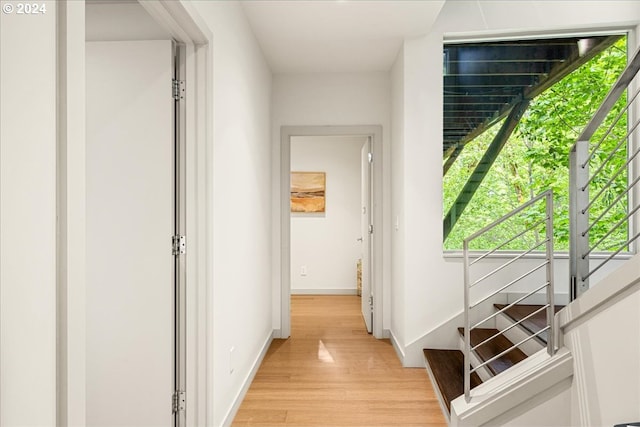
(609, 193)
(499, 277)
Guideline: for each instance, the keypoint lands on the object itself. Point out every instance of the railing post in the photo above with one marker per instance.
(467, 324)
(550, 280)
(578, 219)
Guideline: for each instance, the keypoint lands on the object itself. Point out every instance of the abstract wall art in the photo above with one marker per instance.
(308, 192)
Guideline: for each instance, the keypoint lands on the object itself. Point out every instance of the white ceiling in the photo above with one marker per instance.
(337, 35)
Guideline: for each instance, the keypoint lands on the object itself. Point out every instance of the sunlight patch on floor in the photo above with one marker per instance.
(323, 353)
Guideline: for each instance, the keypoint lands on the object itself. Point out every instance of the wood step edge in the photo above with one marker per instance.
(494, 347)
(528, 325)
(447, 368)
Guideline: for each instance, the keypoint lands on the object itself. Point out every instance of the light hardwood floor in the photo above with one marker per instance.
(332, 373)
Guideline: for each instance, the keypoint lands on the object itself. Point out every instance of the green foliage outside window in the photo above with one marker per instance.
(536, 158)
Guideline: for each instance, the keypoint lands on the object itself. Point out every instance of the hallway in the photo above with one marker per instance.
(332, 373)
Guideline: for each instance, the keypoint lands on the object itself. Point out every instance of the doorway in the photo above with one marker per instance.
(131, 216)
(371, 138)
(330, 217)
(140, 151)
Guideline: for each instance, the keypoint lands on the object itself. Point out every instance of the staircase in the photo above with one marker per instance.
(515, 335)
(446, 367)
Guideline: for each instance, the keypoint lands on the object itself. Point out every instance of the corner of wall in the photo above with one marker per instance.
(397, 347)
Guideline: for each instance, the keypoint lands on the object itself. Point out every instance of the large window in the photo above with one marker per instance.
(535, 155)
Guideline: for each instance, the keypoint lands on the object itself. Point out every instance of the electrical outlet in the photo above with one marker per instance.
(303, 270)
(232, 361)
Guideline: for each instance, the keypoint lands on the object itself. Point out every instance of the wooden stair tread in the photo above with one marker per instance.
(535, 323)
(447, 367)
(494, 347)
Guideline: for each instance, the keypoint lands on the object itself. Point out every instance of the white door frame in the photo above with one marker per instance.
(286, 132)
(182, 21)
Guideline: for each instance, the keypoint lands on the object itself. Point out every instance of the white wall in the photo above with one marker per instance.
(325, 243)
(602, 330)
(606, 387)
(398, 237)
(121, 21)
(241, 194)
(28, 218)
(329, 99)
(432, 283)
(550, 408)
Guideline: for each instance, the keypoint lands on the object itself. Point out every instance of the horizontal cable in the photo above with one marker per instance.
(502, 245)
(611, 256)
(496, 313)
(620, 86)
(510, 284)
(615, 175)
(507, 216)
(510, 349)
(615, 122)
(506, 264)
(612, 153)
(611, 230)
(614, 246)
(513, 325)
(617, 199)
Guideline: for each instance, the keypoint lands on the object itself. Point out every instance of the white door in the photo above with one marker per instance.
(365, 226)
(130, 284)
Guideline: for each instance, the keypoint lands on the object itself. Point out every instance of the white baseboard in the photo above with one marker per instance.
(324, 291)
(396, 346)
(228, 419)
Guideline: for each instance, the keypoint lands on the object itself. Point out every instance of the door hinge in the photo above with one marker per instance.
(370, 228)
(177, 89)
(179, 401)
(179, 245)
(370, 156)
(371, 302)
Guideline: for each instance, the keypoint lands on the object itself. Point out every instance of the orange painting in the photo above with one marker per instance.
(307, 191)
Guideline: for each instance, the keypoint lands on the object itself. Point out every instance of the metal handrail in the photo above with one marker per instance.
(610, 257)
(513, 213)
(497, 356)
(604, 212)
(505, 243)
(610, 100)
(613, 124)
(511, 326)
(499, 312)
(611, 230)
(582, 202)
(547, 221)
(508, 263)
(511, 283)
(615, 175)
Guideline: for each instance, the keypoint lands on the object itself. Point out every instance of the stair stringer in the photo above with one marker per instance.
(538, 377)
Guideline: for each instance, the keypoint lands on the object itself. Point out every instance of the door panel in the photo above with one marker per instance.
(365, 222)
(130, 284)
